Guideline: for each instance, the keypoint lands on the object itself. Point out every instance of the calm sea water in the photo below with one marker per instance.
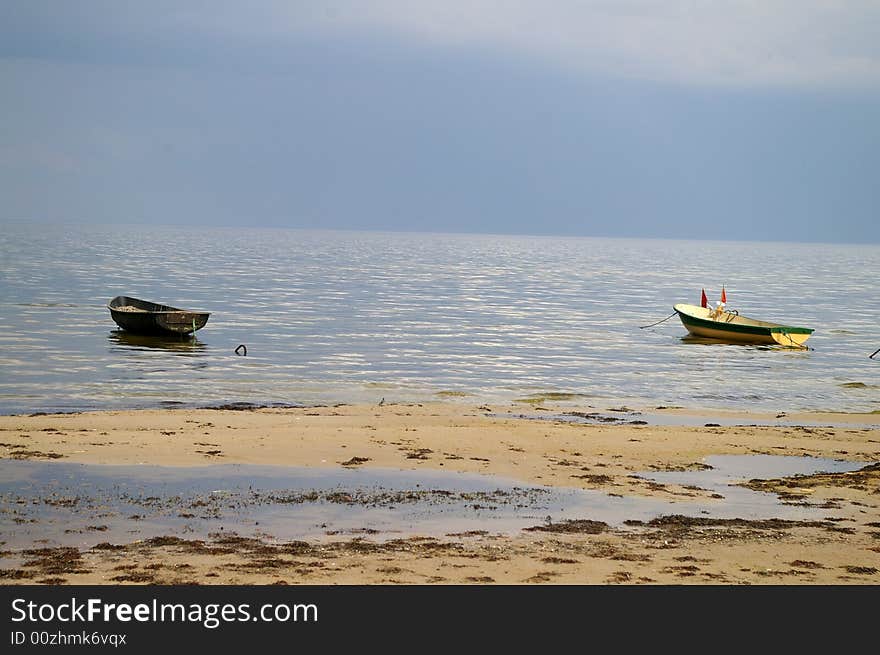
(346, 317)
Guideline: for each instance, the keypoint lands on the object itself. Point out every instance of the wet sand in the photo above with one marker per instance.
(546, 443)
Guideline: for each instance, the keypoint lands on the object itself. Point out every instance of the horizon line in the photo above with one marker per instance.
(416, 231)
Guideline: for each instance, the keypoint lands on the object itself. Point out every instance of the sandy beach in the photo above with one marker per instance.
(540, 443)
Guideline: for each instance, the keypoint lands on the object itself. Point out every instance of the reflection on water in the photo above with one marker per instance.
(705, 341)
(184, 343)
(328, 316)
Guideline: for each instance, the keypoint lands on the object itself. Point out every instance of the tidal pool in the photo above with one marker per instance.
(64, 504)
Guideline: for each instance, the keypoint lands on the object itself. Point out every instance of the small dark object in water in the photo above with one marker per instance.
(871, 356)
(145, 317)
(243, 348)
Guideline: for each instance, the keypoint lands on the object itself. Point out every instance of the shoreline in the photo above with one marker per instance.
(841, 548)
(521, 403)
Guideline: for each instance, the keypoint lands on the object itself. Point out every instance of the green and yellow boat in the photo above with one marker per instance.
(729, 326)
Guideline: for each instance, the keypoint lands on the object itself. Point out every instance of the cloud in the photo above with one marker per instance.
(742, 42)
(738, 42)
(735, 43)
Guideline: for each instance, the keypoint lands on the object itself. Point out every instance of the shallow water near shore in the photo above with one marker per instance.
(63, 504)
(592, 416)
(356, 317)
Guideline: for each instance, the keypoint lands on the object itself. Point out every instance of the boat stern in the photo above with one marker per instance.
(791, 337)
(181, 322)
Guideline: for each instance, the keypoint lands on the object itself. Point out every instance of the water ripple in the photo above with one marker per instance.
(327, 316)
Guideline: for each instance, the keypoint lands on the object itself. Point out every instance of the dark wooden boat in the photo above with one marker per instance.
(144, 317)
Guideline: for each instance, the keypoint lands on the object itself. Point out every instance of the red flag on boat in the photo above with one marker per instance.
(704, 301)
(723, 295)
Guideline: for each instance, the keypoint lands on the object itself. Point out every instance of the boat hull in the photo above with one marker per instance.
(730, 327)
(144, 317)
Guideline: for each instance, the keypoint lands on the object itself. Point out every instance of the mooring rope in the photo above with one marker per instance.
(642, 327)
(795, 344)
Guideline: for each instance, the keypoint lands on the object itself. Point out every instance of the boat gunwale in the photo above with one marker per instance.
(742, 328)
(168, 309)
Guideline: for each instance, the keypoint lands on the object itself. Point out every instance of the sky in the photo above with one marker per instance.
(742, 120)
